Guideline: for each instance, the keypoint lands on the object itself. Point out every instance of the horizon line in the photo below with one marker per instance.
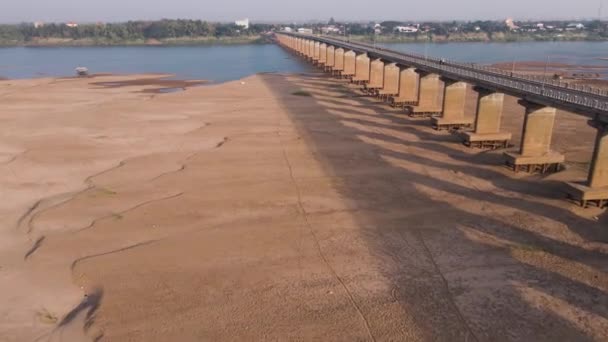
(304, 21)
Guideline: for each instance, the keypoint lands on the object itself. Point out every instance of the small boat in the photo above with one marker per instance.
(82, 71)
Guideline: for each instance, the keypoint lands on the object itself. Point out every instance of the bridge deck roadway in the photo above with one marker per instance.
(590, 102)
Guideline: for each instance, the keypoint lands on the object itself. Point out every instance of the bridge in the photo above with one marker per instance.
(436, 88)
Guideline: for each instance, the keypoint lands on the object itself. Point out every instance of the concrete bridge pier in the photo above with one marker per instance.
(338, 67)
(429, 95)
(535, 151)
(487, 122)
(350, 64)
(330, 58)
(362, 69)
(322, 55)
(595, 189)
(390, 87)
(409, 82)
(310, 50)
(316, 52)
(453, 114)
(376, 77)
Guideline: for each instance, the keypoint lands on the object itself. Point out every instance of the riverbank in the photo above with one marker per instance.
(281, 207)
(183, 41)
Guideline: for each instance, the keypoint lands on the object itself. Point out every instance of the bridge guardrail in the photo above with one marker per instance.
(583, 98)
(538, 79)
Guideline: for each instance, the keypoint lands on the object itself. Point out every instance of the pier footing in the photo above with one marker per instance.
(585, 194)
(451, 123)
(550, 162)
(487, 140)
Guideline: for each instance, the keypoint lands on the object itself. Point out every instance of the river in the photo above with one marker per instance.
(221, 63)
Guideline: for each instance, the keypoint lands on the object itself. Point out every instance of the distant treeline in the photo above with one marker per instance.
(129, 31)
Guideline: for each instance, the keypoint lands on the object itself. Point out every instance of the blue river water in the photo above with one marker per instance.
(581, 53)
(217, 63)
(221, 63)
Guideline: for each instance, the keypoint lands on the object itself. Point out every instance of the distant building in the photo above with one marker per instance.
(511, 24)
(378, 29)
(242, 23)
(330, 29)
(305, 30)
(406, 29)
(38, 24)
(575, 26)
(287, 29)
(71, 24)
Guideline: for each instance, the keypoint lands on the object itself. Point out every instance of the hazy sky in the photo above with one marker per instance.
(299, 10)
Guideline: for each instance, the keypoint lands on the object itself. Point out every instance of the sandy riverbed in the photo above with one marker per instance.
(243, 212)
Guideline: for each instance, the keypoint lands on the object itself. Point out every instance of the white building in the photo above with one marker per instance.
(305, 30)
(406, 29)
(330, 29)
(511, 24)
(576, 26)
(287, 29)
(242, 23)
(71, 24)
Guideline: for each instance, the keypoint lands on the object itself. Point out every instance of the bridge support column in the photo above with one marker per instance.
(454, 98)
(316, 50)
(487, 122)
(376, 77)
(311, 50)
(338, 67)
(535, 151)
(595, 189)
(391, 82)
(428, 97)
(350, 64)
(409, 82)
(330, 59)
(362, 67)
(322, 55)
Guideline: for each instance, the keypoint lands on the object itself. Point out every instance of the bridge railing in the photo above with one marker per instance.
(536, 88)
(578, 95)
(533, 78)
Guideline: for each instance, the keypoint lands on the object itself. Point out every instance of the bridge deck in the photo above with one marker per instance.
(574, 98)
